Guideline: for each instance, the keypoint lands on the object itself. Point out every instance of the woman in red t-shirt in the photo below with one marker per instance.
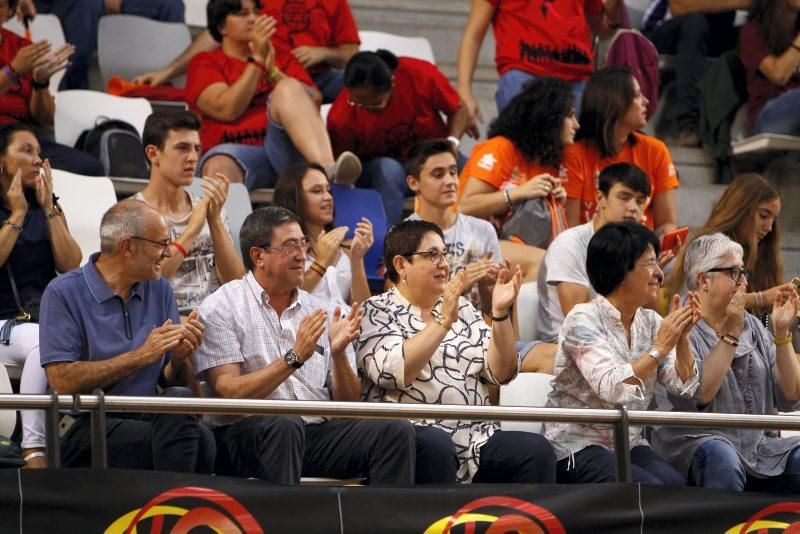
(388, 105)
(769, 47)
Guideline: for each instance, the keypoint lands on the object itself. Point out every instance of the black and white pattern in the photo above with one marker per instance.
(457, 373)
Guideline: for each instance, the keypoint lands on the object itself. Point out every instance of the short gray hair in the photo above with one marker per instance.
(124, 219)
(705, 253)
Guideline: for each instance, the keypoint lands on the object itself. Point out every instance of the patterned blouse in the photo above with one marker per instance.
(457, 373)
(592, 363)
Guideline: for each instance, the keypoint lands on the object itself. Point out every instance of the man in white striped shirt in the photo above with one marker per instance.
(267, 338)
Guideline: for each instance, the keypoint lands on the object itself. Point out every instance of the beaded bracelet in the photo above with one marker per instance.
(17, 228)
(781, 341)
(10, 74)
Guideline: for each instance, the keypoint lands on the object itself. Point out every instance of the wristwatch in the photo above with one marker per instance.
(653, 353)
(291, 359)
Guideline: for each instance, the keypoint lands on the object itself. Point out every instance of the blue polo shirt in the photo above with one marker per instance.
(82, 319)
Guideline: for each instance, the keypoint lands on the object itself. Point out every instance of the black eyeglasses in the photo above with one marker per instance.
(164, 246)
(434, 255)
(735, 273)
(292, 248)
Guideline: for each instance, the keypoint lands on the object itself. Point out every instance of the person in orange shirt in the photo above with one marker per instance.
(521, 160)
(612, 113)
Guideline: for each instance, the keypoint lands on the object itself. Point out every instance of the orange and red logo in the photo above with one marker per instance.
(783, 517)
(499, 515)
(213, 509)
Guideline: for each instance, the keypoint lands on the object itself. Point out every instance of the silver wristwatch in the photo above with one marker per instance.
(653, 353)
(291, 359)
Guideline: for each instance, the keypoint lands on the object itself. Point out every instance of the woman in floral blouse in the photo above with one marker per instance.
(613, 351)
(421, 342)
(744, 369)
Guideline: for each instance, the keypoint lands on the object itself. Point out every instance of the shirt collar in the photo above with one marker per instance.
(98, 287)
(611, 316)
(261, 294)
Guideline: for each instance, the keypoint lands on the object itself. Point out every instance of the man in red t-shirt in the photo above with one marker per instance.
(533, 39)
(258, 104)
(321, 34)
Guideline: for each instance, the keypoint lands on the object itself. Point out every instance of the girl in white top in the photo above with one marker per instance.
(333, 272)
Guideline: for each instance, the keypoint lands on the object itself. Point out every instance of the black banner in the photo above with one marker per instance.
(120, 501)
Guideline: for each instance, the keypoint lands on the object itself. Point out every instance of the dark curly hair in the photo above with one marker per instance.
(534, 120)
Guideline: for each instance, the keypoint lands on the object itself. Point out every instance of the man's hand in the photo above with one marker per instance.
(162, 339)
(192, 331)
(344, 330)
(311, 328)
(216, 190)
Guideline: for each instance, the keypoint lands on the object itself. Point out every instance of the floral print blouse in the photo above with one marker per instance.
(592, 363)
(457, 373)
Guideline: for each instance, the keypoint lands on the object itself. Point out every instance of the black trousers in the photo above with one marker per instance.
(512, 456)
(161, 442)
(692, 38)
(282, 449)
(70, 159)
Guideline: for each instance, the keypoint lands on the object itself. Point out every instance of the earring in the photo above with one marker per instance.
(705, 288)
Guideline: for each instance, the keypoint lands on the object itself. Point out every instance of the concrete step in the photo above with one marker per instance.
(696, 175)
(689, 156)
(695, 203)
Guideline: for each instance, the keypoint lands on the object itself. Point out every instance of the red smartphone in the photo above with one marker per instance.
(670, 239)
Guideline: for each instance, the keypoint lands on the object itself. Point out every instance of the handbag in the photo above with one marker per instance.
(536, 222)
(29, 313)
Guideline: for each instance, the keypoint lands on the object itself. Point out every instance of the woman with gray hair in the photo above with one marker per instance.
(744, 369)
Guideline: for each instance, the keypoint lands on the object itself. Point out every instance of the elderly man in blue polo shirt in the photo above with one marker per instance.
(113, 324)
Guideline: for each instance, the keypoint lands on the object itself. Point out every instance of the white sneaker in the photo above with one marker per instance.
(347, 169)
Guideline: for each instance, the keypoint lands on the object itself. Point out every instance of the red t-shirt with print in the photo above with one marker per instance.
(421, 93)
(544, 37)
(328, 23)
(14, 103)
(583, 165)
(208, 68)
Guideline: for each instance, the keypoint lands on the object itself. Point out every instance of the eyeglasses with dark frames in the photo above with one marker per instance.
(735, 273)
(164, 245)
(290, 249)
(434, 255)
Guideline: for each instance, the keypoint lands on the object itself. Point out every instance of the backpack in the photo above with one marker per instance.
(536, 222)
(635, 51)
(118, 147)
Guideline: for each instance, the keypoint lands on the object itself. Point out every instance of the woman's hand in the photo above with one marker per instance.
(473, 109)
(768, 296)
(16, 196)
(153, 78)
(537, 187)
(328, 243)
(260, 45)
(784, 311)
(452, 294)
(344, 330)
(482, 271)
(559, 191)
(44, 187)
(362, 239)
(693, 302)
(673, 326)
(666, 256)
(734, 313)
(52, 64)
(505, 292)
(308, 56)
(29, 57)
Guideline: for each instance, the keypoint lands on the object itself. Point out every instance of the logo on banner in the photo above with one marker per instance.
(211, 509)
(782, 517)
(499, 515)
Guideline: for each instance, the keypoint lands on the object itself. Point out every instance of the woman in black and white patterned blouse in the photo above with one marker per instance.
(422, 343)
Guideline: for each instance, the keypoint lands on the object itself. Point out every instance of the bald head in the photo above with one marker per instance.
(124, 219)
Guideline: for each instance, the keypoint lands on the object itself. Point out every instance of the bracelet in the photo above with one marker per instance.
(31, 456)
(455, 141)
(759, 301)
(315, 267)
(501, 318)
(55, 213)
(781, 341)
(439, 319)
(10, 74)
(258, 63)
(274, 74)
(180, 248)
(17, 228)
(38, 86)
(319, 266)
(729, 339)
(507, 196)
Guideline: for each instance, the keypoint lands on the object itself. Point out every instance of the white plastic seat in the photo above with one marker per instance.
(237, 206)
(125, 46)
(44, 26)
(84, 200)
(527, 308)
(8, 418)
(528, 389)
(399, 45)
(77, 110)
(195, 13)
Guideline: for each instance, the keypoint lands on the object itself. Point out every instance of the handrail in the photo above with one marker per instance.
(620, 419)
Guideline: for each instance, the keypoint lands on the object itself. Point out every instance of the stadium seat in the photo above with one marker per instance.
(84, 200)
(399, 45)
(44, 26)
(195, 13)
(350, 205)
(77, 110)
(237, 206)
(8, 418)
(527, 306)
(528, 389)
(125, 46)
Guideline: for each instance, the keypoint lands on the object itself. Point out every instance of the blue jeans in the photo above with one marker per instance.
(716, 465)
(79, 18)
(595, 464)
(511, 83)
(330, 84)
(780, 115)
(511, 457)
(387, 176)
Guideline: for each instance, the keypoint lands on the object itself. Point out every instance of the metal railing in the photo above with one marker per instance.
(97, 405)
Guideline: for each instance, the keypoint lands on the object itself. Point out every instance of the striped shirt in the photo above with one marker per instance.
(241, 327)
